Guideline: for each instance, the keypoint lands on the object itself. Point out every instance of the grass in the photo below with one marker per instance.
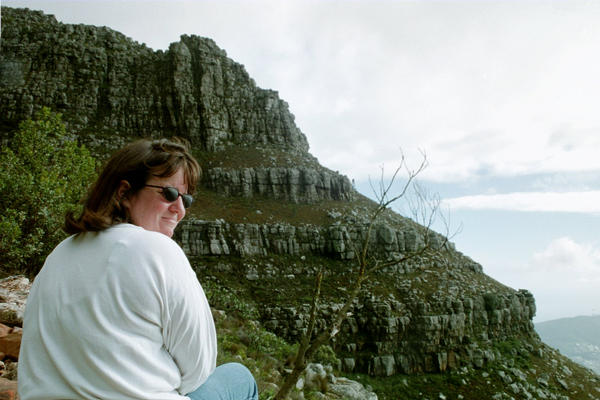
(240, 337)
(209, 205)
(255, 157)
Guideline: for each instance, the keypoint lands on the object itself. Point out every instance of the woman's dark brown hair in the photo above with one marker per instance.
(135, 163)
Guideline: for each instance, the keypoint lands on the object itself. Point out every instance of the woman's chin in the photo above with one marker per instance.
(167, 228)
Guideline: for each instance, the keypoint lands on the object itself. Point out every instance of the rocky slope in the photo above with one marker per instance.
(268, 215)
(429, 315)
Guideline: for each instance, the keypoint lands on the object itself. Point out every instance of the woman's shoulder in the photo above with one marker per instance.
(137, 233)
(137, 239)
(148, 250)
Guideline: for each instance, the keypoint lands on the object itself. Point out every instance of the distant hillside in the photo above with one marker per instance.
(578, 338)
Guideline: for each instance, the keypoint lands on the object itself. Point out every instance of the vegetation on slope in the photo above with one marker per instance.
(520, 371)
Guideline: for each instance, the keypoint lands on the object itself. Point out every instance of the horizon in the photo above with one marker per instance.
(568, 318)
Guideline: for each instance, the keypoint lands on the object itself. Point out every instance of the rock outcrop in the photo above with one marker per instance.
(112, 88)
(13, 296)
(383, 337)
(297, 185)
(204, 238)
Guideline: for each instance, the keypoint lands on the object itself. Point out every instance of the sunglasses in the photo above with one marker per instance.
(171, 194)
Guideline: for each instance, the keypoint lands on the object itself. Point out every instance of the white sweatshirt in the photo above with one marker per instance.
(117, 314)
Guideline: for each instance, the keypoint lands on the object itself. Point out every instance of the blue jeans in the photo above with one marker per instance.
(230, 381)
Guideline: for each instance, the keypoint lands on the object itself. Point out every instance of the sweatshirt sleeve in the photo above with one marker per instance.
(188, 327)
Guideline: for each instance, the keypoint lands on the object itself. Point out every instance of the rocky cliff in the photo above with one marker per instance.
(436, 313)
(105, 84)
(111, 89)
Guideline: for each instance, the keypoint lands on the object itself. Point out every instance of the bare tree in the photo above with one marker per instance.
(425, 210)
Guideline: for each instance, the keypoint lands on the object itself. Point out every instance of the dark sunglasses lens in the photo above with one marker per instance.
(187, 200)
(170, 193)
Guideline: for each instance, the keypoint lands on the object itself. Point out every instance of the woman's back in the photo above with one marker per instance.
(116, 314)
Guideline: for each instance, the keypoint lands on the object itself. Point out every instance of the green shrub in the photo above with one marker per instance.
(44, 174)
(491, 302)
(262, 341)
(326, 356)
(225, 299)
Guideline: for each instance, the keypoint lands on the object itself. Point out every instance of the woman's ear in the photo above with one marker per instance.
(122, 191)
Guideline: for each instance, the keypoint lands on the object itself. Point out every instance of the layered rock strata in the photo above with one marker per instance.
(297, 185)
(386, 336)
(200, 238)
(406, 333)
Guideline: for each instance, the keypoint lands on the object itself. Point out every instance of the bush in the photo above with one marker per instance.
(44, 174)
(225, 299)
(326, 356)
(491, 302)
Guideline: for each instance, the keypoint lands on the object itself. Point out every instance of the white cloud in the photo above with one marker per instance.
(564, 278)
(581, 262)
(572, 182)
(575, 202)
(496, 87)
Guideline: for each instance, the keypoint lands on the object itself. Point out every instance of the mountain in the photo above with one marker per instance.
(578, 338)
(269, 217)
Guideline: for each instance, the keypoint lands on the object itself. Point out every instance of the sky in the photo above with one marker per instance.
(501, 96)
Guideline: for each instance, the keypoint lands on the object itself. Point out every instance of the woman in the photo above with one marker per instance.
(116, 311)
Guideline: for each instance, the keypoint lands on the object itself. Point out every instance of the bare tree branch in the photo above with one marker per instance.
(425, 209)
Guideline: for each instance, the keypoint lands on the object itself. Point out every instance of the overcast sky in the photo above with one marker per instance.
(502, 96)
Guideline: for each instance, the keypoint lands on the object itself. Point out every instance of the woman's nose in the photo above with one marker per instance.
(177, 207)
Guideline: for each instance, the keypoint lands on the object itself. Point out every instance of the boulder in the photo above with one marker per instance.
(13, 296)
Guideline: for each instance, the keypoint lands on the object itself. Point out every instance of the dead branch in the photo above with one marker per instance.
(425, 209)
